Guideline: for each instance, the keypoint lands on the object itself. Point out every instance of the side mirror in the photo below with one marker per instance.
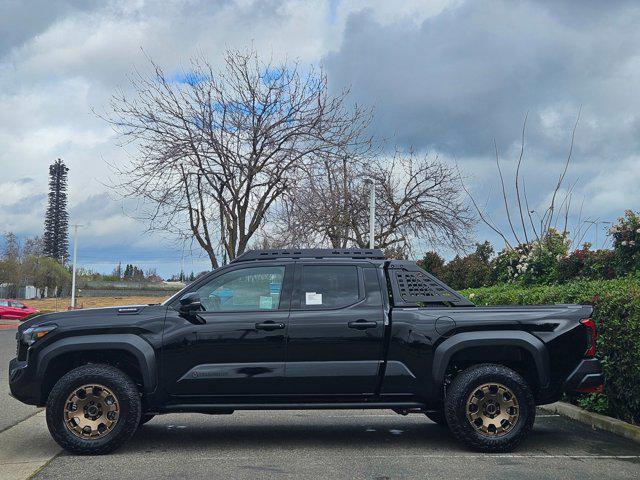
(190, 303)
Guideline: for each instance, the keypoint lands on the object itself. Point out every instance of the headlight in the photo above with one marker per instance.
(33, 334)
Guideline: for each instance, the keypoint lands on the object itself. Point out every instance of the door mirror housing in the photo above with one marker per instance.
(190, 303)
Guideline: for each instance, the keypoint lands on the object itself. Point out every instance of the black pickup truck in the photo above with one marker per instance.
(305, 329)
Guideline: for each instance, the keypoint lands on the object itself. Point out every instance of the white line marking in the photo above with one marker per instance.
(393, 415)
(358, 415)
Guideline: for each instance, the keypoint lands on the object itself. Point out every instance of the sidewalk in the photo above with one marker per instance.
(26, 447)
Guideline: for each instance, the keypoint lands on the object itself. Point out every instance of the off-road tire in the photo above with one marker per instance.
(145, 417)
(437, 417)
(458, 395)
(117, 382)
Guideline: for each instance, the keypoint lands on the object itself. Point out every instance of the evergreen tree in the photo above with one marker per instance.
(56, 223)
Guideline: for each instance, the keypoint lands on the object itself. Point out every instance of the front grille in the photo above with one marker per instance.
(21, 350)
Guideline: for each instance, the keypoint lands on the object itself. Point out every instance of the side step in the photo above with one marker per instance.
(227, 408)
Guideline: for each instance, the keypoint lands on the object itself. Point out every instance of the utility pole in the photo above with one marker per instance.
(372, 213)
(73, 274)
(605, 241)
(595, 223)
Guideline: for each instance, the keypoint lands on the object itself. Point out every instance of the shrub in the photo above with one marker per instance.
(584, 263)
(534, 262)
(626, 243)
(617, 316)
(473, 270)
(432, 263)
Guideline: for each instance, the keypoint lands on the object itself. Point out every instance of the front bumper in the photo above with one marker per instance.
(587, 377)
(22, 386)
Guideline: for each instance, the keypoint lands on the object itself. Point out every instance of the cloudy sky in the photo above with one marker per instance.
(445, 77)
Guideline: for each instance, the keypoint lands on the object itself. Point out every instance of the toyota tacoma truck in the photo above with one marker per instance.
(305, 329)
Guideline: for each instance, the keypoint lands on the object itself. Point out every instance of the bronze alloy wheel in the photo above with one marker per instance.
(493, 409)
(91, 411)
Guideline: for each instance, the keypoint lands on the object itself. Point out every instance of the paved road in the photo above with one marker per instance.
(11, 410)
(345, 445)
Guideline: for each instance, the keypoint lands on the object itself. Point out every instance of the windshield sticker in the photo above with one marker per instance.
(266, 303)
(313, 298)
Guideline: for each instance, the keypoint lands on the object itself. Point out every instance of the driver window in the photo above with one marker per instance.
(254, 288)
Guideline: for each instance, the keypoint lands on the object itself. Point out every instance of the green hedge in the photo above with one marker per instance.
(617, 316)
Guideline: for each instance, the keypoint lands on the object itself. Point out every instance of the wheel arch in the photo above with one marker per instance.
(129, 349)
(462, 343)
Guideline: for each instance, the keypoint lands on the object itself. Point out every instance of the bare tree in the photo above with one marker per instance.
(216, 149)
(524, 228)
(417, 198)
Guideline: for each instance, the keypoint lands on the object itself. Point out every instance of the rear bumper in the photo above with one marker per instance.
(586, 378)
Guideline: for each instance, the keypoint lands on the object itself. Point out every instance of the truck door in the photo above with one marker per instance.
(240, 350)
(335, 333)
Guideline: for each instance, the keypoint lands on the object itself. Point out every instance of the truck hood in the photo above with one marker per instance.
(90, 316)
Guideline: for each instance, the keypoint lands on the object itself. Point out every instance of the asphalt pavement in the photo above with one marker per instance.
(11, 410)
(348, 444)
(353, 444)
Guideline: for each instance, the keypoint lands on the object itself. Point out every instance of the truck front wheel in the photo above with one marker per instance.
(490, 408)
(93, 409)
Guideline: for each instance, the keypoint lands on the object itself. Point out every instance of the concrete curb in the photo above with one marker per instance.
(595, 420)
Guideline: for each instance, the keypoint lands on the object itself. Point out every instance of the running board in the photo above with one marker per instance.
(226, 408)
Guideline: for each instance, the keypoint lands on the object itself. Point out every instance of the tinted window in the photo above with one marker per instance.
(255, 288)
(17, 305)
(329, 286)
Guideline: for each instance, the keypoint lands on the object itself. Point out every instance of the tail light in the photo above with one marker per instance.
(591, 332)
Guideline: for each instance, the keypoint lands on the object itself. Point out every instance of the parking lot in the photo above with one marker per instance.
(354, 444)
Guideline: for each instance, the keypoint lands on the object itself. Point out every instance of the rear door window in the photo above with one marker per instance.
(329, 286)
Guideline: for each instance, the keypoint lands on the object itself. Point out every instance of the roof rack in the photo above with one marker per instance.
(371, 254)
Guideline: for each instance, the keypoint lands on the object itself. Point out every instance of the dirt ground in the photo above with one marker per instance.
(60, 304)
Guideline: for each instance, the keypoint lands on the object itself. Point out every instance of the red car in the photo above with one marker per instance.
(14, 310)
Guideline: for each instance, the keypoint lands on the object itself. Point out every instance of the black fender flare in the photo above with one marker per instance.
(460, 341)
(138, 347)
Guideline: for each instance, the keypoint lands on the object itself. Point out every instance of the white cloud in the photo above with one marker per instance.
(445, 75)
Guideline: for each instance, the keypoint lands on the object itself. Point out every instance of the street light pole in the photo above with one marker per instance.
(73, 274)
(372, 213)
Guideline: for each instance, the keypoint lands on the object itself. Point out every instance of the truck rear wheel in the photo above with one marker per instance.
(490, 408)
(93, 409)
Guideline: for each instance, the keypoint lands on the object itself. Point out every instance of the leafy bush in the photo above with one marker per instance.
(433, 263)
(617, 316)
(585, 263)
(626, 243)
(471, 271)
(533, 262)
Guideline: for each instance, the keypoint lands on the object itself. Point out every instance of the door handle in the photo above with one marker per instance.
(362, 324)
(269, 325)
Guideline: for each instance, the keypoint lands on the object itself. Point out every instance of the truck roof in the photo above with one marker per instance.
(355, 253)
